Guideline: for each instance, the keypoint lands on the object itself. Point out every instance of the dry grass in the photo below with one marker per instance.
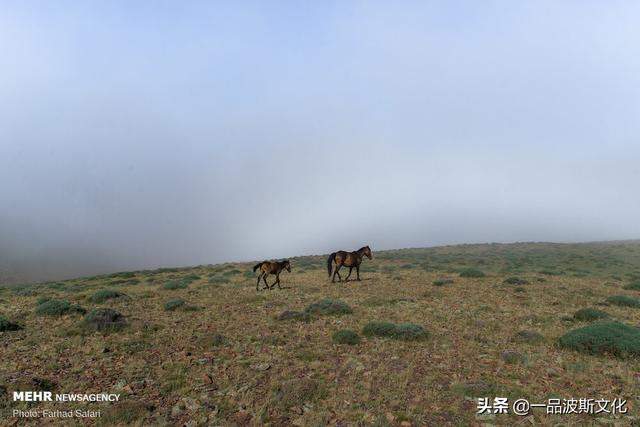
(234, 363)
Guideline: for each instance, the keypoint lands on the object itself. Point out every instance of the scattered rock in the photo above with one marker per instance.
(260, 366)
(102, 319)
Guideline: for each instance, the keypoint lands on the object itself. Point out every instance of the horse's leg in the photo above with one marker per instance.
(349, 275)
(338, 272)
(264, 278)
(258, 282)
(358, 272)
(277, 281)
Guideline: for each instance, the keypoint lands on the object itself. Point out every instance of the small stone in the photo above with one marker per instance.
(260, 366)
(512, 357)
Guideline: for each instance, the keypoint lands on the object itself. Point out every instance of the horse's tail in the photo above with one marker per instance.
(257, 266)
(332, 257)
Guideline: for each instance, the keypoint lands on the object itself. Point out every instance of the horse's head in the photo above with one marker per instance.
(367, 252)
(287, 265)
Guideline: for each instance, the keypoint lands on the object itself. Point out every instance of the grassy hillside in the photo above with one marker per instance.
(425, 333)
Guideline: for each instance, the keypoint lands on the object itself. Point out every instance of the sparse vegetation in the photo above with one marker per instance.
(328, 306)
(613, 338)
(105, 294)
(294, 315)
(530, 337)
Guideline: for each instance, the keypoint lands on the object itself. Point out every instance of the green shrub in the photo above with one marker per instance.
(55, 307)
(42, 300)
(624, 301)
(402, 331)
(589, 314)
(613, 338)
(105, 294)
(633, 286)
(346, 336)
(379, 329)
(174, 304)
(104, 319)
(442, 282)
(6, 325)
(175, 284)
(329, 306)
(515, 281)
(409, 332)
(471, 272)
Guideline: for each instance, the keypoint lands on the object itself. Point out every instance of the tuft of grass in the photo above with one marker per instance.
(471, 272)
(296, 392)
(6, 325)
(174, 304)
(328, 306)
(402, 331)
(175, 284)
(624, 301)
(442, 281)
(346, 336)
(589, 314)
(613, 338)
(104, 319)
(105, 294)
(55, 307)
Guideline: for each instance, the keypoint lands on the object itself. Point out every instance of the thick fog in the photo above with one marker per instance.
(145, 134)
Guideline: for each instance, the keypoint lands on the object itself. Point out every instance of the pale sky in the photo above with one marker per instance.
(145, 134)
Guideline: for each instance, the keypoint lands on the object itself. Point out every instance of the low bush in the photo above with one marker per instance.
(346, 336)
(471, 272)
(589, 314)
(175, 284)
(624, 301)
(633, 286)
(6, 325)
(613, 338)
(402, 331)
(55, 307)
(174, 304)
(442, 282)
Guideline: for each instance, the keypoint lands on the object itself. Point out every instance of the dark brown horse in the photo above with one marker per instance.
(348, 259)
(269, 267)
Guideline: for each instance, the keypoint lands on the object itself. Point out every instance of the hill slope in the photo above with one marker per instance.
(201, 344)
